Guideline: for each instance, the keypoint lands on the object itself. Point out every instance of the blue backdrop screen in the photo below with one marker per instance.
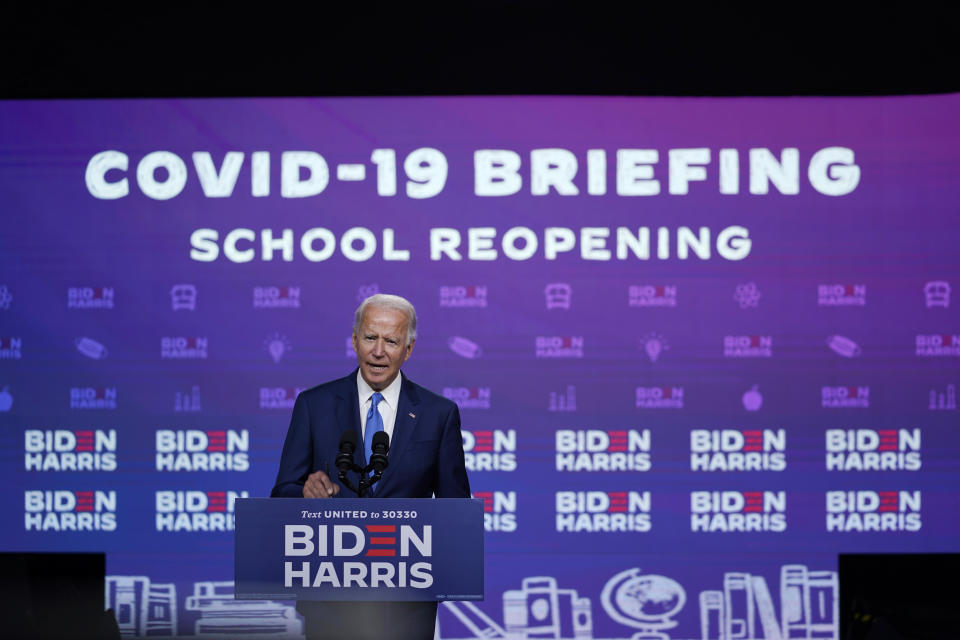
(700, 346)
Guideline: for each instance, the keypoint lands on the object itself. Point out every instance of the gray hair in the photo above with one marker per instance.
(387, 301)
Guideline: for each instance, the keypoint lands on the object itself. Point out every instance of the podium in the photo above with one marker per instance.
(358, 549)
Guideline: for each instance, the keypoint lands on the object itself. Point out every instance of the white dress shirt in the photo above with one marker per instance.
(387, 406)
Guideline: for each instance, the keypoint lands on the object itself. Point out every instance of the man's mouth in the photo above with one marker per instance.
(377, 368)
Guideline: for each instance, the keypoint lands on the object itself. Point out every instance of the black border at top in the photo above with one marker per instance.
(217, 49)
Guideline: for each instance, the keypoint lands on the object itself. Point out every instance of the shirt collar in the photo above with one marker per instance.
(391, 395)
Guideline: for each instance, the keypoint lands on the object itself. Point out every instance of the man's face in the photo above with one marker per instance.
(381, 345)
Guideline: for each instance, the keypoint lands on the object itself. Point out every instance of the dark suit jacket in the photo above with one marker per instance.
(426, 450)
(425, 459)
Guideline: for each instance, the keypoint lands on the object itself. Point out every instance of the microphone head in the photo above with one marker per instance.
(349, 438)
(381, 439)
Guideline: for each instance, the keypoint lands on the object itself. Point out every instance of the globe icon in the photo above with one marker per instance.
(644, 602)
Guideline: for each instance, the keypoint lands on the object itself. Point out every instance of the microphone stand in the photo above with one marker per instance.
(346, 482)
(378, 463)
(345, 463)
(365, 482)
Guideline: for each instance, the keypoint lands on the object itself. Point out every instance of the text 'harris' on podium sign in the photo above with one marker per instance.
(359, 549)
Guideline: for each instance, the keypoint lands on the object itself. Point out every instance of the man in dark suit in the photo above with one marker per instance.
(425, 458)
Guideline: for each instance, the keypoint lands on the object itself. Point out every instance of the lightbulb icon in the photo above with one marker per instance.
(653, 348)
(277, 345)
(276, 350)
(654, 344)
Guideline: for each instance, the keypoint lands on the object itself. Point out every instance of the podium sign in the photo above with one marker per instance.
(358, 549)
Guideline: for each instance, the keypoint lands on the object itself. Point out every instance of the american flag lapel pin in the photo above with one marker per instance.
(411, 415)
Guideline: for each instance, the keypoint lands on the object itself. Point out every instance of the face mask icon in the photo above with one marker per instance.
(558, 295)
(937, 294)
(183, 297)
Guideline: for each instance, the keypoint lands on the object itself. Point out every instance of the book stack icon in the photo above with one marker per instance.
(221, 614)
(744, 609)
(142, 607)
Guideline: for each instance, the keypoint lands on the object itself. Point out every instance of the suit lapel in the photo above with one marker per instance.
(348, 415)
(408, 414)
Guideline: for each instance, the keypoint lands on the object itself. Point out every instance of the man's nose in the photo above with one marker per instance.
(378, 349)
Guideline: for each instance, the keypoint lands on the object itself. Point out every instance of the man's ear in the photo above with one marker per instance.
(409, 349)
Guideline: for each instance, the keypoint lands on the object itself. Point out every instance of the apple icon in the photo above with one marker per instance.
(752, 399)
(6, 400)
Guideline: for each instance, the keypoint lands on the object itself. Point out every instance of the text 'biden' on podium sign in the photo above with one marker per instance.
(359, 549)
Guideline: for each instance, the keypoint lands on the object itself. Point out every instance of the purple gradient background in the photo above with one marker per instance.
(896, 231)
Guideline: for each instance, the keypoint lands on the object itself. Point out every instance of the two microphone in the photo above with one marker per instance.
(377, 463)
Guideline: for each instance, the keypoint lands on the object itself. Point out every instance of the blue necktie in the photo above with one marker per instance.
(374, 424)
